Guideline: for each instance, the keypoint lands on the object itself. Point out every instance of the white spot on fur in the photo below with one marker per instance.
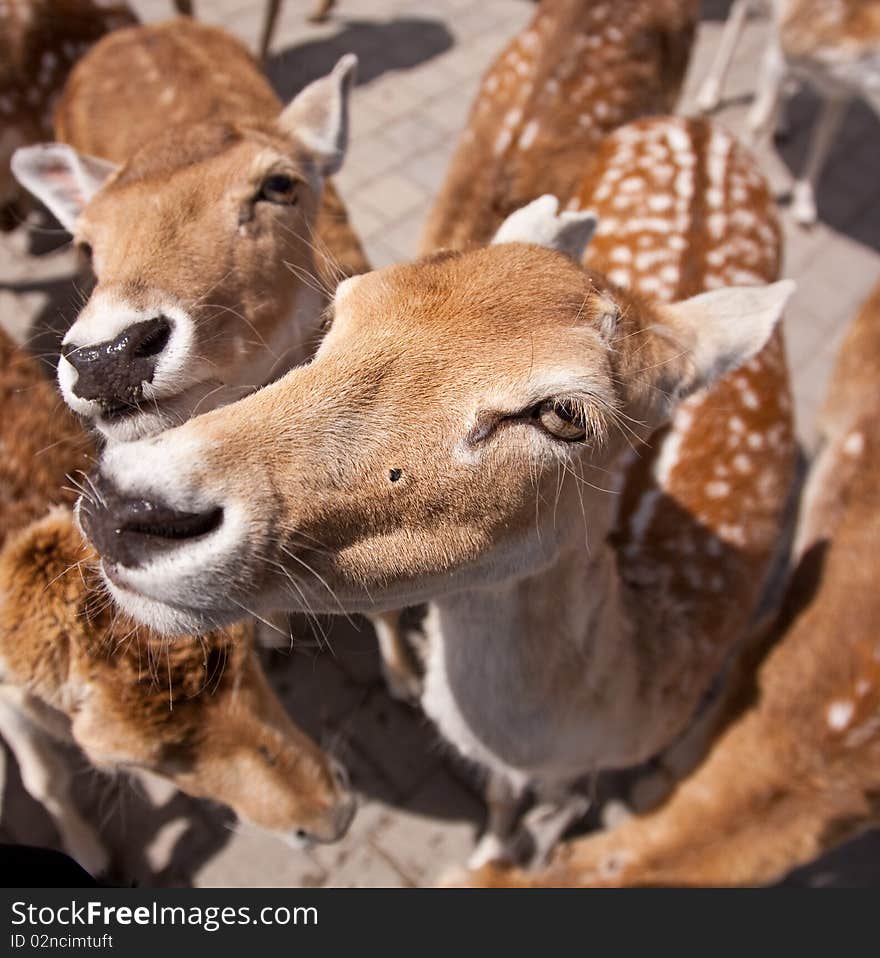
(839, 715)
(717, 489)
(671, 448)
(503, 141)
(854, 444)
(732, 534)
(528, 135)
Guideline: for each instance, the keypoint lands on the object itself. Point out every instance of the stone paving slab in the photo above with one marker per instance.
(420, 66)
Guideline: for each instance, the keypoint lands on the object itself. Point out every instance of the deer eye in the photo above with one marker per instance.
(563, 419)
(279, 188)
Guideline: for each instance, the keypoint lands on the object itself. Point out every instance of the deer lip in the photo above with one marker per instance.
(112, 571)
(114, 411)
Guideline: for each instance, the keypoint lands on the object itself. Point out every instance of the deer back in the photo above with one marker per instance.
(40, 41)
(683, 209)
(579, 70)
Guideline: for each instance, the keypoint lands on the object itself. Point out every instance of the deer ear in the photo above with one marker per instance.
(540, 224)
(724, 328)
(318, 115)
(62, 179)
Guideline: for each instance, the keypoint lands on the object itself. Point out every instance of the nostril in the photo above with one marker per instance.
(153, 339)
(113, 372)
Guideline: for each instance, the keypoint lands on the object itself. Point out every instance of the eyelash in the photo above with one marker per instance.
(594, 430)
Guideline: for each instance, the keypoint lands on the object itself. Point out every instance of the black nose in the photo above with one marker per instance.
(130, 532)
(113, 373)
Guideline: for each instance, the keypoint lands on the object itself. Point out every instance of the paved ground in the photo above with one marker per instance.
(420, 66)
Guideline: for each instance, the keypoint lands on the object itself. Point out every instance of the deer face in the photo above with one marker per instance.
(455, 430)
(203, 250)
(213, 725)
(227, 739)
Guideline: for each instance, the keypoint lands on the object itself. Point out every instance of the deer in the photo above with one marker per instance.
(205, 209)
(794, 772)
(833, 47)
(197, 711)
(463, 438)
(40, 41)
(580, 69)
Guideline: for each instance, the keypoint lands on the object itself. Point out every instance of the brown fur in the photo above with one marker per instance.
(197, 710)
(810, 28)
(740, 435)
(40, 41)
(579, 70)
(34, 462)
(173, 61)
(798, 771)
(184, 226)
(411, 461)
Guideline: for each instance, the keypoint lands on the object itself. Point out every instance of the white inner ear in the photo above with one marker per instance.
(318, 115)
(62, 179)
(727, 327)
(540, 224)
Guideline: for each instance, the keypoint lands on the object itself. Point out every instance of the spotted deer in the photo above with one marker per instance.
(463, 437)
(579, 70)
(831, 45)
(796, 771)
(40, 41)
(213, 232)
(197, 710)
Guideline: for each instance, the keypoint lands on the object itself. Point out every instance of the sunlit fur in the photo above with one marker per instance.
(197, 710)
(794, 771)
(180, 228)
(40, 40)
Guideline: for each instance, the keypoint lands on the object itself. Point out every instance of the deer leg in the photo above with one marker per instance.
(269, 22)
(710, 92)
(557, 809)
(46, 776)
(501, 841)
(321, 11)
(400, 671)
(803, 204)
(763, 114)
(184, 7)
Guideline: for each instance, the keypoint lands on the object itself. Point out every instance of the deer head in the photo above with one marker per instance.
(421, 450)
(202, 245)
(198, 712)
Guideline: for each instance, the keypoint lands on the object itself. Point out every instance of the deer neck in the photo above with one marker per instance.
(550, 673)
(292, 342)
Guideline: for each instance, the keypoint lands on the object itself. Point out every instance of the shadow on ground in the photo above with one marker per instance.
(398, 44)
(848, 191)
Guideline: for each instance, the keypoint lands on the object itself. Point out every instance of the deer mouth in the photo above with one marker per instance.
(129, 420)
(113, 411)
